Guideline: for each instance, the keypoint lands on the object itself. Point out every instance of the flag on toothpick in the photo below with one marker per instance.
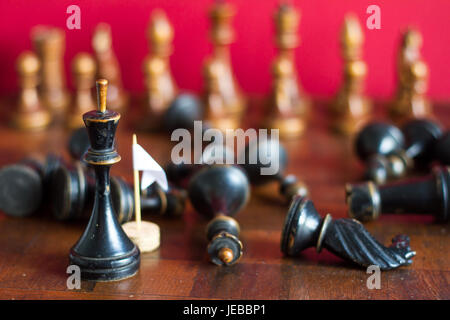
(151, 170)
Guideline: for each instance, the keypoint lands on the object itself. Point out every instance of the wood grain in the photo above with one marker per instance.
(34, 251)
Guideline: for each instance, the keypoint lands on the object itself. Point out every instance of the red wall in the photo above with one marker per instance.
(317, 58)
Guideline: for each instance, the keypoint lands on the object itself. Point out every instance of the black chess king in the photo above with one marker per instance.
(104, 252)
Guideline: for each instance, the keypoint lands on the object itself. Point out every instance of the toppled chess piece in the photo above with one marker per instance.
(104, 252)
(350, 108)
(49, 43)
(288, 104)
(23, 185)
(108, 67)
(74, 189)
(425, 195)
(410, 100)
(30, 113)
(223, 100)
(261, 158)
(219, 192)
(374, 144)
(83, 72)
(160, 85)
(346, 238)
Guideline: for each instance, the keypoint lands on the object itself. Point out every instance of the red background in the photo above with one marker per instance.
(318, 61)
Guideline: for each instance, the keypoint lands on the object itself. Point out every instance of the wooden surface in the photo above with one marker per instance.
(34, 251)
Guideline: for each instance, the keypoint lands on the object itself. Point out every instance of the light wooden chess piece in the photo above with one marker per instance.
(224, 102)
(410, 100)
(160, 85)
(83, 70)
(30, 113)
(288, 105)
(350, 108)
(108, 67)
(49, 43)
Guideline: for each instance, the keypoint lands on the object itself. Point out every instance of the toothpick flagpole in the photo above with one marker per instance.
(137, 193)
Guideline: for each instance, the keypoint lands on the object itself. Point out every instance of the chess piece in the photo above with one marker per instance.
(288, 104)
(442, 149)
(74, 189)
(108, 67)
(30, 114)
(346, 238)
(78, 143)
(49, 43)
(350, 108)
(83, 71)
(219, 192)
(182, 112)
(104, 252)
(160, 85)
(410, 100)
(23, 185)
(224, 103)
(268, 154)
(425, 195)
(374, 145)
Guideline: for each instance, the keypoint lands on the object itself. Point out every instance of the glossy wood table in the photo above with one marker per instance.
(34, 251)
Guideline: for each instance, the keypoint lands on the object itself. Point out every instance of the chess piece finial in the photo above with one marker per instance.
(263, 154)
(426, 195)
(83, 72)
(49, 43)
(410, 100)
(108, 67)
(351, 107)
(104, 252)
(30, 113)
(346, 238)
(288, 105)
(219, 192)
(25, 185)
(224, 103)
(374, 145)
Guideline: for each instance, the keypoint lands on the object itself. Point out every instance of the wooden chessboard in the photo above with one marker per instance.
(34, 251)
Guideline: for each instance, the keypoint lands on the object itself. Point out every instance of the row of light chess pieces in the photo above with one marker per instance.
(222, 104)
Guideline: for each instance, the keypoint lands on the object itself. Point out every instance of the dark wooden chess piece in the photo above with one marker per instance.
(346, 238)
(108, 67)
(83, 72)
(350, 108)
(30, 114)
(374, 144)
(262, 154)
(78, 143)
(442, 149)
(104, 252)
(23, 185)
(219, 192)
(424, 195)
(49, 43)
(182, 112)
(288, 105)
(74, 189)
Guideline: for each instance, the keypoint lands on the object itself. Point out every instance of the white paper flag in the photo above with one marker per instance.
(151, 170)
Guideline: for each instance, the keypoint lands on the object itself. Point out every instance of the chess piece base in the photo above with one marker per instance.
(31, 121)
(292, 127)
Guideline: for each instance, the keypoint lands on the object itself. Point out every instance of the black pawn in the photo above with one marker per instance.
(182, 112)
(219, 192)
(442, 149)
(104, 252)
(426, 195)
(373, 144)
(258, 156)
(78, 143)
(346, 238)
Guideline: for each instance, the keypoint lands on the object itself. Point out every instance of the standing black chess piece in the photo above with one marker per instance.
(265, 161)
(23, 185)
(104, 252)
(442, 149)
(374, 144)
(219, 192)
(78, 143)
(346, 238)
(424, 195)
(182, 112)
